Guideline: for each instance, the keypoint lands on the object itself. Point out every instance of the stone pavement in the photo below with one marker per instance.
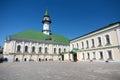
(59, 71)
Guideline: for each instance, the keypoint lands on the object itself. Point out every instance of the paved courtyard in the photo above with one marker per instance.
(59, 71)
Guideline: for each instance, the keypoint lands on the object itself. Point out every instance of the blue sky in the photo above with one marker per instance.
(71, 18)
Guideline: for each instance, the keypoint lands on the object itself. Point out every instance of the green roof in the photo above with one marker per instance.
(74, 51)
(39, 36)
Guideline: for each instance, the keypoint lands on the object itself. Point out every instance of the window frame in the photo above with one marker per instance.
(107, 37)
(99, 41)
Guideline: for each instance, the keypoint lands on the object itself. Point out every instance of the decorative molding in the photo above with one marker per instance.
(100, 48)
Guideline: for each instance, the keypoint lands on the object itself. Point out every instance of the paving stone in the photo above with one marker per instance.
(59, 71)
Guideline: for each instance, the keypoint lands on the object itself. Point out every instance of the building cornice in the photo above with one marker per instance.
(100, 48)
(96, 32)
(32, 54)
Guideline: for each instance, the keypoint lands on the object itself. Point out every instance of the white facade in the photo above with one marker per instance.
(36, 51)
(100, 45)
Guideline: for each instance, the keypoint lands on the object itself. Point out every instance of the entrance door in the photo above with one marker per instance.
(75, 57)
(16, 59)
(39, 59)
(25, 59)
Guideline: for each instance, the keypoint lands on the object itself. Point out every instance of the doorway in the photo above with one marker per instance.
(39, 59)
(75, 57)
(16, 60)
(46, 59)
(25, 59)
(62, 57)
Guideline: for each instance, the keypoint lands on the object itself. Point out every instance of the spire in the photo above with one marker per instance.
(46, 13)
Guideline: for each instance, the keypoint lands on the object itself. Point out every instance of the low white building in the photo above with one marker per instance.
(100, 45)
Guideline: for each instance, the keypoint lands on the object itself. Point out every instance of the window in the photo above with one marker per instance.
(73, 46)
(110, 54)
(26, 48)
(94, 55)
(59, 50)
(83, 56)
(93, 43)
(46, 50)
(33, 49)
(77, 45)
(88, 55)
(18, 48)
(101, 55)
(54, 50)
(99, 41)
(87, 44)
(107, 39)
(82, 45)
(40, 49)
(64, 50)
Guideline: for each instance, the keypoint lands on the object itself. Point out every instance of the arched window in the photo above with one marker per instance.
(73, 46)
(101, 55)
(94, 55)
(93, 43)
(59, 50)
(77, 45)
(82, 45)
(99, 41)
(40, 49)
(46, 50)
(18, 48)
(107, 39)
(64, 50)
(26, 48)
(87, 44)
(83, 56)
(54, 50)
(33, 49)
(110, 54)
(88, 55)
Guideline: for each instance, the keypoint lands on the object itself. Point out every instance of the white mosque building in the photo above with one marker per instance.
(33, 45)
(100, 45)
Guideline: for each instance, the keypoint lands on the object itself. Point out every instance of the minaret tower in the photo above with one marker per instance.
(46, 24)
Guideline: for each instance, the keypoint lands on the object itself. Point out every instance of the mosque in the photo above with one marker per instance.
(30, 45)
(33, 45)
